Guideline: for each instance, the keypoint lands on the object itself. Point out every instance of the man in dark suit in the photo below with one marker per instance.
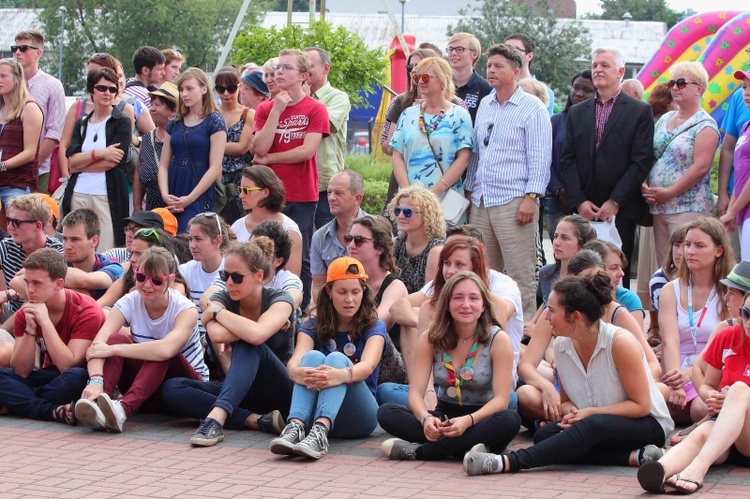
(608, 152)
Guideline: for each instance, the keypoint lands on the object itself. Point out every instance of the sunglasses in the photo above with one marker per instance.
(490, 127)
(142, 277)
(424, 78)
(744, 313)
(247, 190)
(104, 89)
(211, 214)
(408, 212)
(229, 88)
(680, 83)
(409, 67)
(17, 223)
(236, 277)
(22, 48)
(148, 233)
(358, 240)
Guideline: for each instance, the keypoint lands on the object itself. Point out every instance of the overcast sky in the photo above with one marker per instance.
(585, 6)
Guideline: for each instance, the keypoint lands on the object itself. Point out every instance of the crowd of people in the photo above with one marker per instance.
(215, 262)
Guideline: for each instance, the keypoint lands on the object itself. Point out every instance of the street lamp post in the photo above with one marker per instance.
(403, 5)
(61, 11)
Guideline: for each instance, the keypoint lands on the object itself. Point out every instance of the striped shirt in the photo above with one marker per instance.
(514, 150)
(12, 257)
(603, 110)
(135, 88)
(119, 255)
(48, 92)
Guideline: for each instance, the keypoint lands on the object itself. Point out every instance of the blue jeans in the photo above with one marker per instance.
(352, 409)
(304, 215)
(256, 383)
(37, 395)
(323, 211)
(8, 194)
(396, 393)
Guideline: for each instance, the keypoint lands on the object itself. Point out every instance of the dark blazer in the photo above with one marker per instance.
(623, 161)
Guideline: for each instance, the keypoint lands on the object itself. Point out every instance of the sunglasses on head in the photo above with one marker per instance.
(358, 240)
(680, 83)
(211, 214)
(745, 313)
(142, 277)
(148, 233)
(104, 88)
(236, 277)
(424, 78)
(22, 48)
(229, 88)
(490, 127)
(15, 222)
(408, 212)
(247, 190)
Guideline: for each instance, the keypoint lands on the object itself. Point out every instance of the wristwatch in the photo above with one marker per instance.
(532, 195)
(216, 311)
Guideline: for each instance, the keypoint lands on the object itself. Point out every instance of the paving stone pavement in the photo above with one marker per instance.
(153, 458)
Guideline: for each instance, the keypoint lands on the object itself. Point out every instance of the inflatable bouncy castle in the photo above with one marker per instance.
(716, 39)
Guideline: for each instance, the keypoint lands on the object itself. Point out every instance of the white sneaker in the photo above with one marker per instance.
(114, 414)
(89, 414)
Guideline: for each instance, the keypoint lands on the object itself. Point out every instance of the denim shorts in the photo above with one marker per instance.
(7, 194)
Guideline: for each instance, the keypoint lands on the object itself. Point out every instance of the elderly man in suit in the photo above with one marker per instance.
(608, 152)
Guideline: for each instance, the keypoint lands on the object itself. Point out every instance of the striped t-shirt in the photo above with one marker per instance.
(12, 257)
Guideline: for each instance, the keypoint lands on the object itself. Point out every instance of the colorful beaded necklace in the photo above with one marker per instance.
(428, 130)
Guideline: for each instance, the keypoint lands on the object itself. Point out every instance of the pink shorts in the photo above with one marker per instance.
(690, 391)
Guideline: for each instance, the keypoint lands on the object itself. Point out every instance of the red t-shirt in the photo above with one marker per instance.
(307, 116)
(81, 320)
(730, 353)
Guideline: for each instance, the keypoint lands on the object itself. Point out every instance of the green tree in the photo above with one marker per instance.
(561, 48)
(355, 67)
(197, 28)
(641, 10)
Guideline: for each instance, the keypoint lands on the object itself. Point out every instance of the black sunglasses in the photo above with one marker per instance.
(230, 88)
(15, 222)
(236, 277)
(680, 83)
(744, 313)
(409, 67)
(22, 48)
(104, 89)
(358, 240)
(490, 127)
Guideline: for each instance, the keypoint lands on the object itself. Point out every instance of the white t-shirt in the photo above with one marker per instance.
(93, 184)
(240, 229)
(144, 329)
(197, 279)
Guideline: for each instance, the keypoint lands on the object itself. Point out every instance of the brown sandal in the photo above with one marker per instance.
(64, 414)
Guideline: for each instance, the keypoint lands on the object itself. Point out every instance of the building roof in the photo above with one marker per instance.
(15, 20)
(638, 40)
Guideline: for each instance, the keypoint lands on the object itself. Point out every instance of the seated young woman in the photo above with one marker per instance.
(458, 254)
(335, 366)
(164, 343)
(725, 436)
(612, 410)
(253, 319)
(471, 360)
(665, 274)
(539, 398)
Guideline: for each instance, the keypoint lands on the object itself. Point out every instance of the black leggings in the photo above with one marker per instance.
(601, 439)
(495, 432)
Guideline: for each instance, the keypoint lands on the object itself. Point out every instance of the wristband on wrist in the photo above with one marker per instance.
(3, 166)
(93, 156)
(98, 381)
(26, 331)
(351, 376)
(472, 419)
(444, 182)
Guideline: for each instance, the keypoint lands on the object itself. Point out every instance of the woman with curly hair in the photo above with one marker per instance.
(335, 366)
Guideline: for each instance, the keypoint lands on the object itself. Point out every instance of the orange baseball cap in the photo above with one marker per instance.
(170, 222)
(345, 267)
(52, 204)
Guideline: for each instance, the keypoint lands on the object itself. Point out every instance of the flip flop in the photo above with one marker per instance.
(682, 490)
(651, 476)
(540, 423)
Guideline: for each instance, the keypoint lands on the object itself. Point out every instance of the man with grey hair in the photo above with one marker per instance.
(608, 152)
(633, 88)
(345, 192)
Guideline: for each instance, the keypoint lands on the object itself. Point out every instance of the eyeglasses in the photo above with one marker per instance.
(424, 77)
(360, 240)
(229, 88)
(148, 233)
(211, 214)
(236, 277)
(142, 277)
(285, 67)
(17, 223)
(408, 212)
(130, 229)
(458, 50)
(247, 190)
(490, 127)
(104, 88)
(680, 83)
(409, 67)
(22, 48)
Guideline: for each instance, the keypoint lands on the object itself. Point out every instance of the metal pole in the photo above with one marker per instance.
(322, 10)
(312, 11)
(403, 5)
(232, 35)
(62, 10)
(289, 6)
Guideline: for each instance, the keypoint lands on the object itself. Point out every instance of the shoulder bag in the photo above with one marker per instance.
(454, 205)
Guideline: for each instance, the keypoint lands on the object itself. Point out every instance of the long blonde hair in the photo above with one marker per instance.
(20, 95)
